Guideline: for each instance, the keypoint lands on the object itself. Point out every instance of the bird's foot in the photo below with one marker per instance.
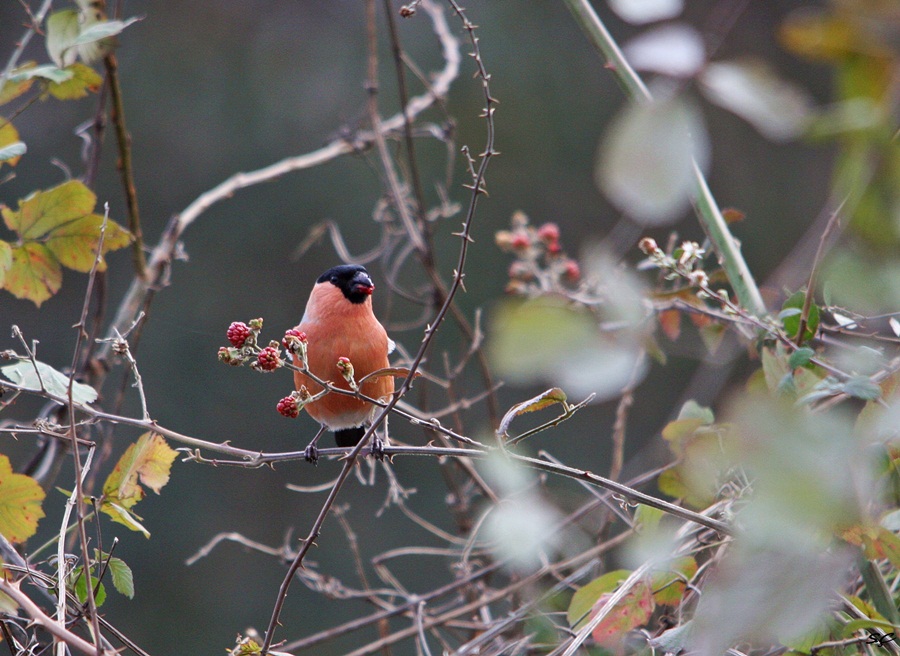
(311, 453)
(377, 448)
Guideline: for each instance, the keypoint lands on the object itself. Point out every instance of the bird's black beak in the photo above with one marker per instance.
(362, 283)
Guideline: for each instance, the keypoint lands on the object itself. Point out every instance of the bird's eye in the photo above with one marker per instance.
(334, 280)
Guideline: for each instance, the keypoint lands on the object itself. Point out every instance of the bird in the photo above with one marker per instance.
(339, 323)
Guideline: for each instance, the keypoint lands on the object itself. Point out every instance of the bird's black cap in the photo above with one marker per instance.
(352, 279)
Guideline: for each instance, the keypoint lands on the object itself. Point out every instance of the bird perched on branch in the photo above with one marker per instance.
(340, 325)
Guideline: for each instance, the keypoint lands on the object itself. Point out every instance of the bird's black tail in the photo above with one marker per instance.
(349, 436)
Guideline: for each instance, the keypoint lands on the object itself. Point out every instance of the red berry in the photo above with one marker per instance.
(553, 248)
(237, 334)
(573, 271)
(520, 241)
(268, 359)
(548, 233)
(288, 407)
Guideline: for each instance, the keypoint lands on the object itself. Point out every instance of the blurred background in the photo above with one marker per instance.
(215, 88)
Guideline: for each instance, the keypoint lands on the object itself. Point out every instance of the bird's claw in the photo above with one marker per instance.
(377, 448)
(311, 454)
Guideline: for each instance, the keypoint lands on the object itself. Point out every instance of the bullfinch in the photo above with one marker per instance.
(339, 322)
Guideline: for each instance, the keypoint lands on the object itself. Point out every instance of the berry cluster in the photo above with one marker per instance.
(541, 265)
(245, 349)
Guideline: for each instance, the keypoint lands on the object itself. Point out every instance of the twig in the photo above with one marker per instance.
(36, 19)
(38, 616)
(126, 166)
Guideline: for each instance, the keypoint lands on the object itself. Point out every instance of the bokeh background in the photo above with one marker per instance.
(212, 88)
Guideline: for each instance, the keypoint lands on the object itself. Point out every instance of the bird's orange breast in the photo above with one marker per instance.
(336, 328)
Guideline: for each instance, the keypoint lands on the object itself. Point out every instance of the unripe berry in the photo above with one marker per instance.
(572, 271)
(520, 241)
(289, 407)
(548, 233)
(293, 339)
(237, 333)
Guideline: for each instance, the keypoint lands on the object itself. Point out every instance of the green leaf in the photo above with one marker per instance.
(800, 357)
(23, 373)
(122, 577)
(585, 597)
(75, 243)
(20, 503)
(646, 518)
(79, 587)
(539, 402)
(44, 211)
(646, 160)
(83, 79)
(34, 275)
(791, 320)
(675, 640)
(63, 27)
(124, 516)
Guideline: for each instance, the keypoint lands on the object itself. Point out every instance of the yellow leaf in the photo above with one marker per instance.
(16, 85)
(34, 274)
(147, 461)
(44, 211)
(75, 243)
(20, 503)
(9, 136)
(84, 79)
(5, 260)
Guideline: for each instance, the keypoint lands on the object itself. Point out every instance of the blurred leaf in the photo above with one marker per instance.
(712, 336)
(670, 322)
(669, 585)
(35, 274)
(800, 357)
(634, 610)
(84, 79)
(16, 85)
(23, 373)
(646, 159)
(587, 596)
(102, 30)
(645, 11)
(6, 260)
(11, 149)
(62, 29)
(778, 109)
(20, 503)
(124, 516)
(75, 243)
(791, 320)
(48, 72)
(675, 640)
(693, 410)
(675, 49)
(862, 387)
(539, 402)
(551, 340)
(878, 542)
(646, 518)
